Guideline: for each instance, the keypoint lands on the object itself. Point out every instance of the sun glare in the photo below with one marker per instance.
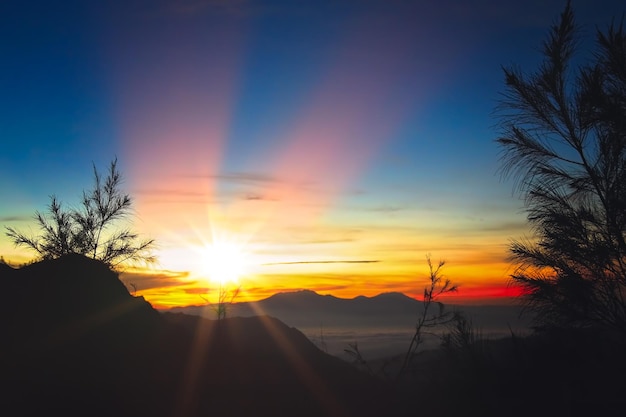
(224, 262)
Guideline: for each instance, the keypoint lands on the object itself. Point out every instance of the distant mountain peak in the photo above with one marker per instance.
(393, 295)
(306, 294)
(302, 294)
(292, 293)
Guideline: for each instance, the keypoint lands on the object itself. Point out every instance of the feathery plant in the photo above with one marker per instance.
(463, 337)
(91, 229)
(357, 357)
(564, 140)
(225, 298)
(429, 319)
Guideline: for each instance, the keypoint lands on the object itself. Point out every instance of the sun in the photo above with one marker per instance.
(224, 262)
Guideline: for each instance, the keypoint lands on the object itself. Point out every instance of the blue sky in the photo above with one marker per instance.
(367, 125)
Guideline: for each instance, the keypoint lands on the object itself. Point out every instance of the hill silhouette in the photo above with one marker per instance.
(77, 343)
(310, 311)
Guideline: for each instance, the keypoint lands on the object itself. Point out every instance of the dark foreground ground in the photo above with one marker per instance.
(76, 343)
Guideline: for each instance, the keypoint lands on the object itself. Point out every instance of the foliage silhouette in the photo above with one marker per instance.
(462, 334)
(225, 298)
(89, 229)
(564, 141)
(357, 357)
(429, 320)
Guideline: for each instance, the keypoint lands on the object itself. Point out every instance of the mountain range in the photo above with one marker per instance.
(382, 325)
(308, 310)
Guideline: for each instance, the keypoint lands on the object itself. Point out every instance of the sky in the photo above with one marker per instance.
(323, 145)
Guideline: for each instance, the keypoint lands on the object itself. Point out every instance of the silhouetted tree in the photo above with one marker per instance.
(564, 141)
(91, 228)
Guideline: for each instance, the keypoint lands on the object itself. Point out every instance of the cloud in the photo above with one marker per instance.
(186, 193)
(259, 179)
(325, 241)
(509, 227)
(386, 209)
(319, 234)
(323, 262)
(253, 197)
(12, 219)
(145, 281)
(197, 290)
(264, 292)
(246, 178)
(159, 192)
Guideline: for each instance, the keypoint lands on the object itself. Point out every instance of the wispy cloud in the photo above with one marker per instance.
(12, 219)
(144, 281)
(171, 192)
(323, 262)
(386, 209)
(197, 290)
(246, 178)
(254, 197)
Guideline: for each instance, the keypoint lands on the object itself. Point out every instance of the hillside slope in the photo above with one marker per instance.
(79, 344)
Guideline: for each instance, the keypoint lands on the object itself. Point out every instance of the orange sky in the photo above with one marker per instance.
(336, 147)
(318, 248)
(365, 255)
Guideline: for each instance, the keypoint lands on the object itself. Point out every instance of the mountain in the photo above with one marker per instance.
(310, 312)
(76, 343)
